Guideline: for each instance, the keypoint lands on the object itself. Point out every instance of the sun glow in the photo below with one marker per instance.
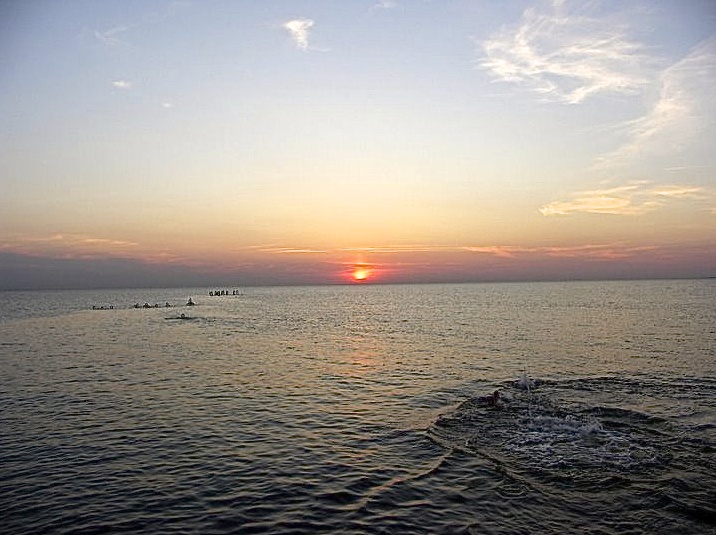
(361, 273)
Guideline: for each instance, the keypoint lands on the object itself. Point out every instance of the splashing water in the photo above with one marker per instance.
(524, 382)
(535, 431)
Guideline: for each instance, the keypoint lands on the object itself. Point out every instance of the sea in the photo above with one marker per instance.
(361, 409)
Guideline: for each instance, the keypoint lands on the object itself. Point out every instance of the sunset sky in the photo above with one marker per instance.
(208, 142)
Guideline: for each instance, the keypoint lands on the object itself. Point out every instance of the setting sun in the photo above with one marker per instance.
(360, 274)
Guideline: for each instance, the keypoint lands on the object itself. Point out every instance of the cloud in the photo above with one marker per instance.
(383, 4)
(298, 28)
(392, 249)
(680, 113)
(678, 192)
(106, 241)
(565, 57)
(62, 245)
(632, 199)
(123, 84)
(111, 37)
(501, 251)
(596, 205)
(288, 250)
(609, 251)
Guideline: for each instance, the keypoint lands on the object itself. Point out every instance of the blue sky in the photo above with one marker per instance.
(293, 142)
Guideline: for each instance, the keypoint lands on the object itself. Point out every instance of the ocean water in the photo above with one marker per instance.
(361, 409)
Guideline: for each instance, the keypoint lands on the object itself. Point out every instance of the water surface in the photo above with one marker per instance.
(356, 409)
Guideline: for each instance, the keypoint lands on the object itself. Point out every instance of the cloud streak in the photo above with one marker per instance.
(389, 253)
(291, 250)
(680, 112)
(299, 30)
(383, 4)
(609, 251)
(62, 245)
(565, 57)
(112, 38)
(636, 198)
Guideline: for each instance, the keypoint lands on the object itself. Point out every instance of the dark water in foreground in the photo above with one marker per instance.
(357, 410)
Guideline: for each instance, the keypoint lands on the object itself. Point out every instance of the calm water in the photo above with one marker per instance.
(356, 409)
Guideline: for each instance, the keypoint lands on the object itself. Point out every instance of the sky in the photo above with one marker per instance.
(173, 143)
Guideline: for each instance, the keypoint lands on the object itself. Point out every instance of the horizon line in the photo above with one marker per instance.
(364, 283)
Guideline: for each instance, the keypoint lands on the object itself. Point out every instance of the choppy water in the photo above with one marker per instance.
(357, 410)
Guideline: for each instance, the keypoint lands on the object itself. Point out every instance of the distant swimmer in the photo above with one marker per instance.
(190, 303)
(181, 316)
(493, 400)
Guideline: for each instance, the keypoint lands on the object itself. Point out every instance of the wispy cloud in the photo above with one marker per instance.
(61, 245)
(289, 250)
(123, 84)
(112, 37)
(565, 56)
(383, 4)
(501, 251)
(404, 252)
(299, 30)
(608, 251)
(678, 192)
(681, 112)
(635, 198)
(105, 241)
(393, 249)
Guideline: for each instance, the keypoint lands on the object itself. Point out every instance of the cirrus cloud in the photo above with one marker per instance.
(565, 56)
(601, 251)
(635, 198)
(681, 112)
(64, 245)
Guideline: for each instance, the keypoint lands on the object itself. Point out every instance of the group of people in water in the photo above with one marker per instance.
(189, 303)
(217, 293)
(147, 305)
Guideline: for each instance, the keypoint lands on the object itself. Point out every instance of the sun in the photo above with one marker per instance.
(361, 273)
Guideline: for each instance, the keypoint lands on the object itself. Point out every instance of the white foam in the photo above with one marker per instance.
(524, 382)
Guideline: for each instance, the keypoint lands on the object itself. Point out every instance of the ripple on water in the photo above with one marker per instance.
(314, 410)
